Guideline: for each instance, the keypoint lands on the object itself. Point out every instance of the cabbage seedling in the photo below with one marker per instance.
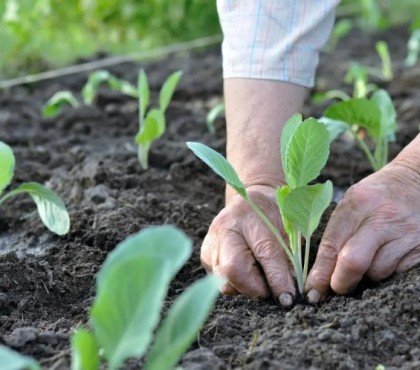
(152, 123)
(413, 47)
(51, 208)
(57, 102)
(96, 79)
(212, 116)
(375, 116)
(131, 287)
(304, 152)
(358, 76)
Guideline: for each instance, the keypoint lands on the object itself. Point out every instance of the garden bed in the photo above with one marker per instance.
(88, 156)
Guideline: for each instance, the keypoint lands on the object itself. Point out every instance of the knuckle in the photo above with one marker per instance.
(264, 249)
(357, 195)
(227, 219)
(352, 264)
(230, 271)
(328, 249)
(220, 223)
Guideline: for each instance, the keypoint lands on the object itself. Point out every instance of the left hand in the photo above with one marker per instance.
(373, 232)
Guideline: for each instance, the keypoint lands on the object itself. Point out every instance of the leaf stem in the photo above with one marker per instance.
(367, 152)
(143, 155)
(299, 248)
(270, 225)
(306, 264)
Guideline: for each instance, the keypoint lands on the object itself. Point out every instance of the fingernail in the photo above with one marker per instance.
(313, 296)
(286, 299)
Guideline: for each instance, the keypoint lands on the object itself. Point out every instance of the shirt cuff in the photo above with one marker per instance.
(274, 40)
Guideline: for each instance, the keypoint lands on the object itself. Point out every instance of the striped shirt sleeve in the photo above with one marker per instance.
(274, 39)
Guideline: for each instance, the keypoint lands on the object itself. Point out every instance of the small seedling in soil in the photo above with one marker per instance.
(152, 123)
(62, 98)
(341, 29)
(358, 76)
(96, 79)
(413, 47)
(213, 115)
(374, 118)
(130, 290)
(57, 102)
(51, 208)
(304, 152)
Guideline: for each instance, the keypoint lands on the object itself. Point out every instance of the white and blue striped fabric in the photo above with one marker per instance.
(274, 39)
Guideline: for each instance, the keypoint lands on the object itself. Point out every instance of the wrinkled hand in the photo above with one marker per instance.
(241, 248)
(374, 231)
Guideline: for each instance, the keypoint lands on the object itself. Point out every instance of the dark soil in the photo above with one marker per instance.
(87, 155)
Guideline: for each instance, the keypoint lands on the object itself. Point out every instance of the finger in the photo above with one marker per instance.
(388, 257)
(235, 261)
(210, 243)
(342, 225)
(228, 289)
(410, 260)
(356, 257)
(205, 252)
(273, 262)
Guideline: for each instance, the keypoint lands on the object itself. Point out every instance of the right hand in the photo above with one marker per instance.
(241, 248)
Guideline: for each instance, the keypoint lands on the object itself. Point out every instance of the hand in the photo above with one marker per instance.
(374, 231)
(241, 248)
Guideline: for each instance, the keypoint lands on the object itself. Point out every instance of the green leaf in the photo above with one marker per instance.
(97, 78)
(144, 93)
(357, 111)
(11, 360)
(304, 206)
(153, 127)
(85, 351)
(383, 52)
(307, 153)
(91, 87)
(289, 129)
(388, 121)
(163, 242)
(214, 113)
(413, 47)
(281, 194)
(168, 90)
(334, 127)
(51, 208)
(56, 103)
(131, 287)
(356, 72)
(184, 320)
(122, 86)
(7, 165)
(219, 165)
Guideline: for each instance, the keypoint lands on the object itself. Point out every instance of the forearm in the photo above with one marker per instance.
(256, 111)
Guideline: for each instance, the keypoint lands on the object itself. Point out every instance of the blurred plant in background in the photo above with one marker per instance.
(37, 34)
(40, 34)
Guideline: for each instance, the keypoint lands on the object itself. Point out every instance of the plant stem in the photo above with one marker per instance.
(299, 248)
(384, 152)
(143, 156)
(306, 264)
(270, 225)
(367, 152)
